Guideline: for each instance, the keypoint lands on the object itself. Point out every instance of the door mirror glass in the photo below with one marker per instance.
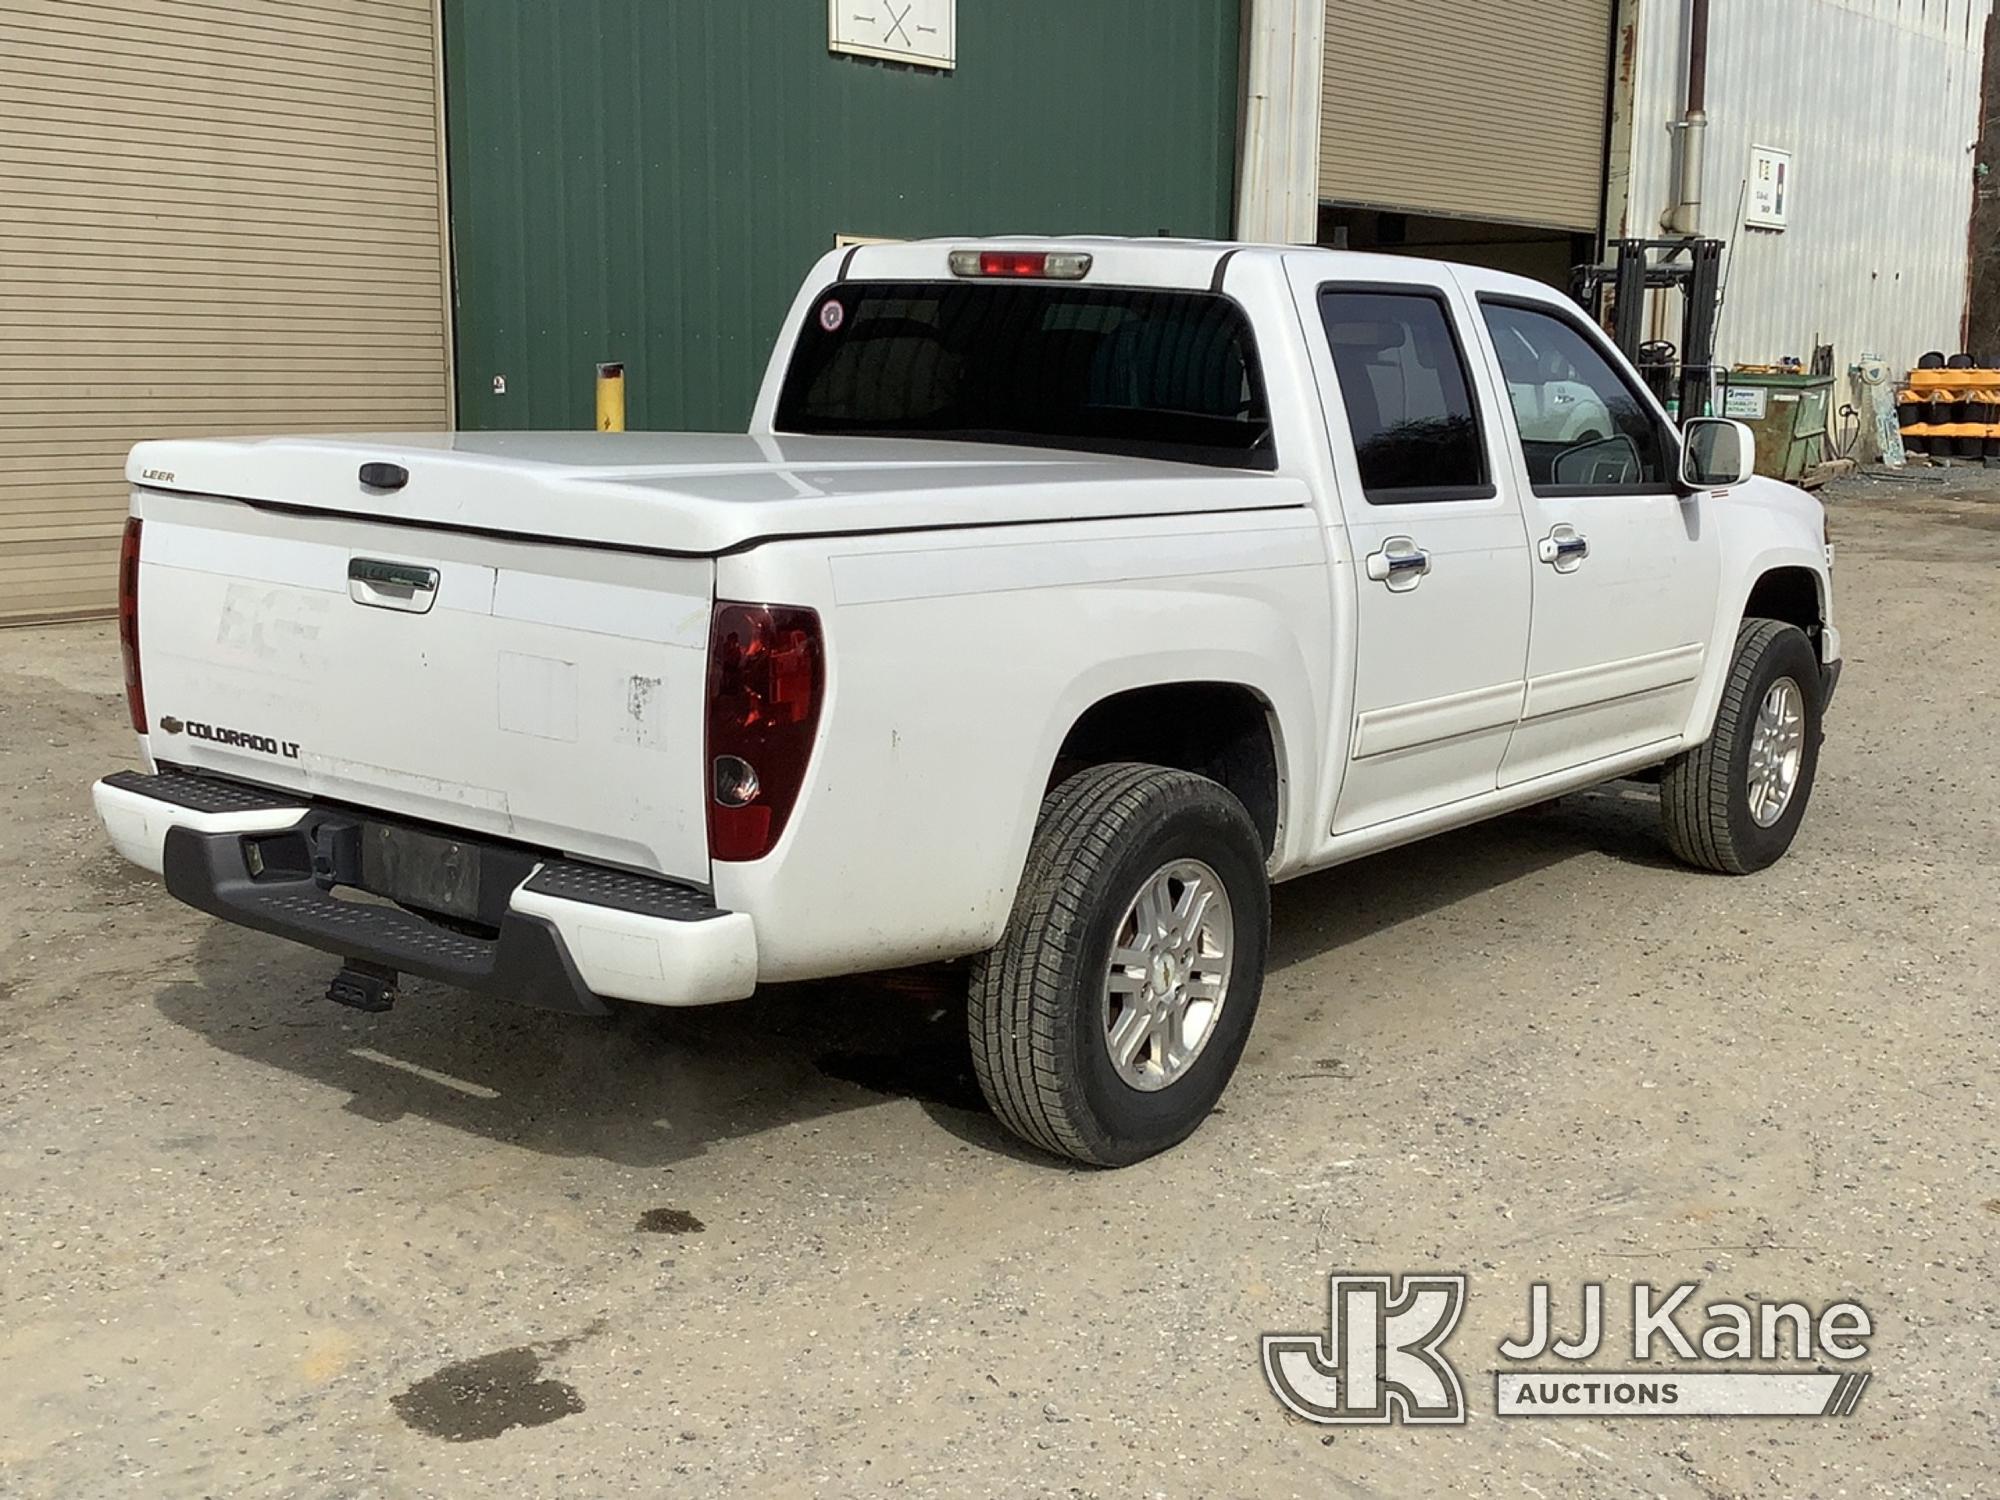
(1715, 453)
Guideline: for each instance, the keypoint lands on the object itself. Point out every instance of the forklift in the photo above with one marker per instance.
(1684, 377)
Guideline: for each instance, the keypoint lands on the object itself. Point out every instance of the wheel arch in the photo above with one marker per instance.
(1227, 730)
(1780, 583)
(1791, 592)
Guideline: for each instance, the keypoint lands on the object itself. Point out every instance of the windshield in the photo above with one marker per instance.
(1161, 374)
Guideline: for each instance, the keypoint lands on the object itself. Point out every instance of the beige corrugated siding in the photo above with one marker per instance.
(1484, 109)
(216, 216)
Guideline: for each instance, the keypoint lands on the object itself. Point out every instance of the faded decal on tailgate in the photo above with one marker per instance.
(644, 722)
(537, 696)
(276, 627)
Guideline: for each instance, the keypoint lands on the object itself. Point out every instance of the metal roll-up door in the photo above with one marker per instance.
(1481, 109)
(215, 217)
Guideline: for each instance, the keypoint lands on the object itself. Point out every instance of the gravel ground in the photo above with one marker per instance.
(256, 1244)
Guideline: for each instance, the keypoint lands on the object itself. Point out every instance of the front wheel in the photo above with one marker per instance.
(1735, 802)
(1109, 1018)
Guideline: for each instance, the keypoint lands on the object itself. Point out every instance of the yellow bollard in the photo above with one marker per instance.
(611, 398)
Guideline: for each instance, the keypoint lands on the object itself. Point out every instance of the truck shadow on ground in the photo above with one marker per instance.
(645, 1087)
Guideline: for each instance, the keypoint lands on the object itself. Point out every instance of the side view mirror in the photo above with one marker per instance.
(1715, 453)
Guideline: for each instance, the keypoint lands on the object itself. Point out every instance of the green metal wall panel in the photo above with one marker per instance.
(647, 180)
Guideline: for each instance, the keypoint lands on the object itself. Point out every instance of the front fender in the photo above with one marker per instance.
(1741, 572)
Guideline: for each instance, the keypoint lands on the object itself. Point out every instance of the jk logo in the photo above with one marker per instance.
(1380, 1360)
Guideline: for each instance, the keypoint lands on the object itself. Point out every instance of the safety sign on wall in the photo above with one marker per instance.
(1770, 188)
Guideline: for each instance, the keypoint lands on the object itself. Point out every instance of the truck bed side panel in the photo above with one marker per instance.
(958, 661)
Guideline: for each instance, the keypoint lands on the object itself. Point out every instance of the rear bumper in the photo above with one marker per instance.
(570, 936)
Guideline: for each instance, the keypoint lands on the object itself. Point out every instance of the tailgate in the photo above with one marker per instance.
(535, 691)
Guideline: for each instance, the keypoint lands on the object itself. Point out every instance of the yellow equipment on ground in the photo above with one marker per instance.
(1947, 413)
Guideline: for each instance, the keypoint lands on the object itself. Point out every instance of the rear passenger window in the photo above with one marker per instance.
(1409, 400)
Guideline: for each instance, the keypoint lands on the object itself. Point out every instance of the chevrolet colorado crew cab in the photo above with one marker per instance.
(1062, 596)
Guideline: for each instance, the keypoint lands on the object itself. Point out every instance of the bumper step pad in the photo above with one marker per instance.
(201, 793)
(596, 886)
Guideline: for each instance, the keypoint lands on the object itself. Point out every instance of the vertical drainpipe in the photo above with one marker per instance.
(1615, 203)
(448, 267)
(1684, 217)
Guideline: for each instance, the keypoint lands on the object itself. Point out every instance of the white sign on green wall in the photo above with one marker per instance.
(922, 32)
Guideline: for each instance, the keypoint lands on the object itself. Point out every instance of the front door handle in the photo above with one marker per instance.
(1401, 564)
(1565, 549)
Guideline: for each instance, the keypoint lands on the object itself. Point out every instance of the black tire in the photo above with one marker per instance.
(1704, 792)
(1037, 999)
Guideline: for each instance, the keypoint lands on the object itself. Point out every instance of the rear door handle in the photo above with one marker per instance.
(1401, 564)
(379, 584)
(1565, 548)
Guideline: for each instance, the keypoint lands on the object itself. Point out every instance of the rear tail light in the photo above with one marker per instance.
(766, 674)
(1043, 265)
(128, 621)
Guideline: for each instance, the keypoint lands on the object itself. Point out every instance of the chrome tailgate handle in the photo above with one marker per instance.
(380, 584)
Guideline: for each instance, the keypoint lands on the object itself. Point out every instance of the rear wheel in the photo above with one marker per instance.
(1108, 1019)
(1735, 803)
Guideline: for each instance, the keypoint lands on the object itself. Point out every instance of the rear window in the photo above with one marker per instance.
(1161, 374)
(1408, 396)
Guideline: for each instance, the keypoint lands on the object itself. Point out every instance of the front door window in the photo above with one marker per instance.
(1583, 429)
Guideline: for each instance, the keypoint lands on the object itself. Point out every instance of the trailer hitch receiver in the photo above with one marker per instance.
(363, 986)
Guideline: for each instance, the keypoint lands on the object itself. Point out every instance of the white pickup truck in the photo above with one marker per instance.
(1062, 595)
